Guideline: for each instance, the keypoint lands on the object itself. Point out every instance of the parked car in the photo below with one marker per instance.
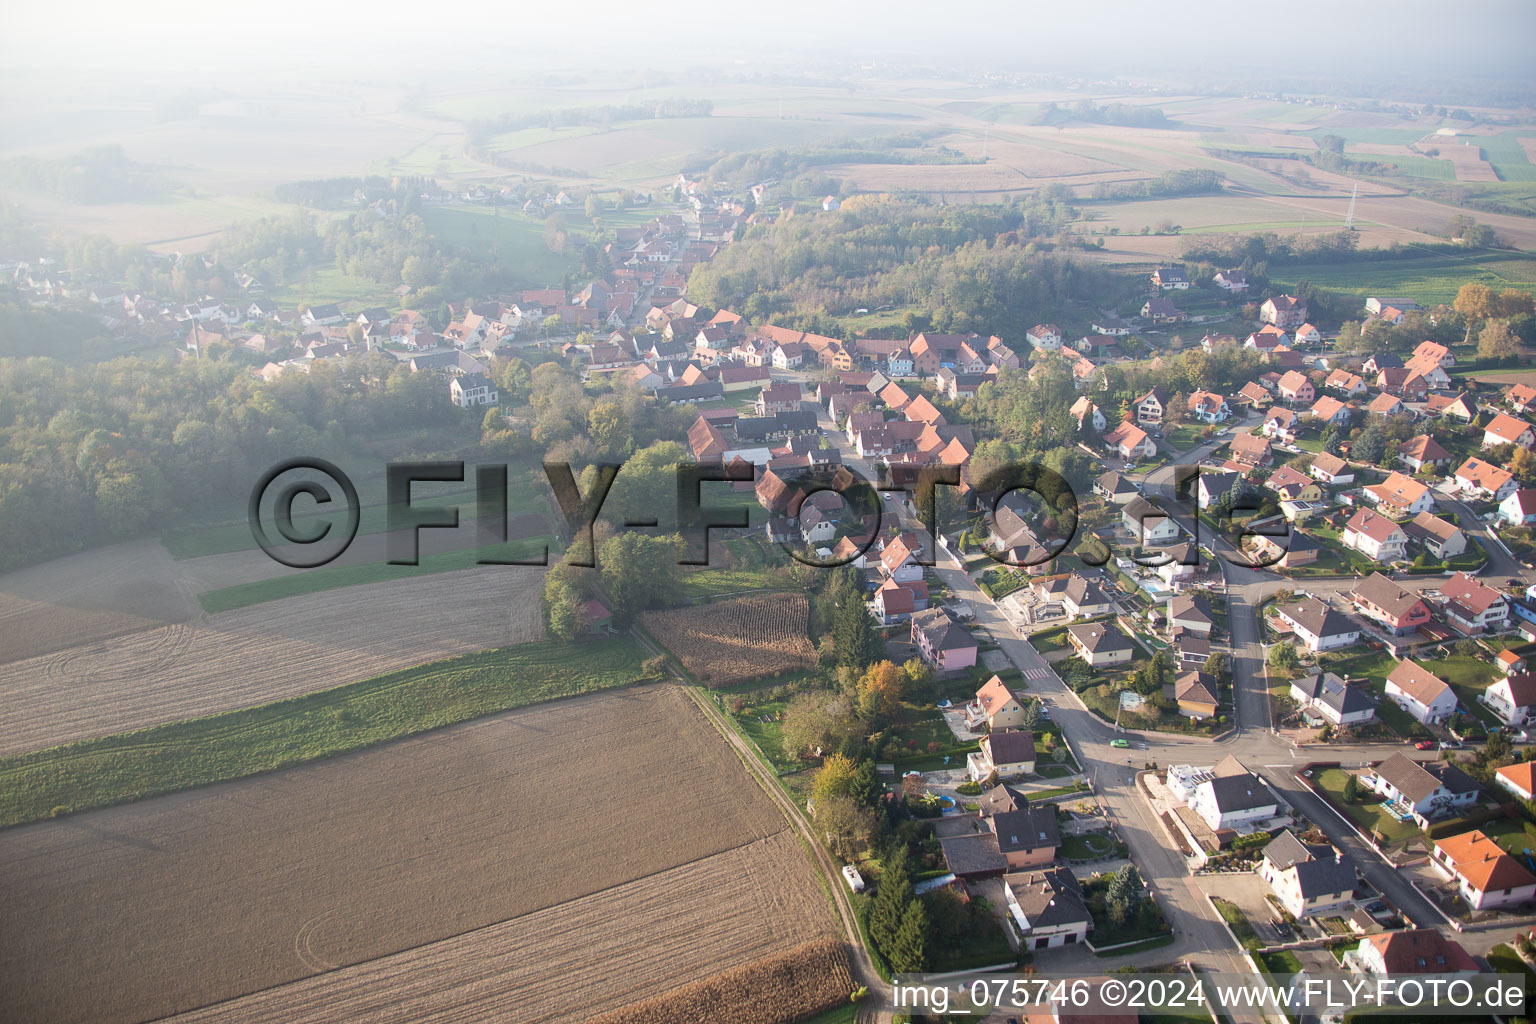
(1425, 745)
(1120, 744)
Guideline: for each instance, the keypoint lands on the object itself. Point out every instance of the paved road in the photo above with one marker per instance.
(1202, 938)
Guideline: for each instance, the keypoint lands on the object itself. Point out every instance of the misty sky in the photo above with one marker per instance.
(182, 37)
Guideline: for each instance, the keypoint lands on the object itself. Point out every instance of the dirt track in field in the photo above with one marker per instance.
(260, 653)
(625, 803)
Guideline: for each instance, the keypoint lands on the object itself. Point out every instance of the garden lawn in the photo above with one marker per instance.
(235, 744)
(759, 722)
(1516, 835)
(1368, 816)
(1085, 847)
(1459, 670)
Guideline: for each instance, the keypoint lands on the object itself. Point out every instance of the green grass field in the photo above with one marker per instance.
(1429, 279)
(331, 284)
(1460, 670)
(505, 234)
(311, 581)
(1369, 816)
(130, 766)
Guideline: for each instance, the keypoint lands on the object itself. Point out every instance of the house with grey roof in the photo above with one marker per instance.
(1324, 695)
(1046, 908)
(1308, 878)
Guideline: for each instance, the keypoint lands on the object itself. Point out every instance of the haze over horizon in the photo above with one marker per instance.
(177, 39)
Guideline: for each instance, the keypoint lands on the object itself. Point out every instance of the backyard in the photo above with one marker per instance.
(1366, 812)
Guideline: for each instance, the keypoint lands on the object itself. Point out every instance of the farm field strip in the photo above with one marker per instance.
(260, 654)
(236, 744)
(575, 959)
(229, 890)
(736, 640)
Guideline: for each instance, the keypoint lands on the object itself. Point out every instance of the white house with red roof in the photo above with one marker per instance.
(1473, 606)
(1519, 508)
(1045, 337)
(1296, 387)
(1507, 429)
(1512, 698)
(1479, 479)
(1375, 536)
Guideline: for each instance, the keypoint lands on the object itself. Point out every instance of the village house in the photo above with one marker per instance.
(1427, 792)
(1317, 625)
(1231, 280)
(1521, 398)
(1375, 536)
(995, 708)
(1046, 908)
(1230, 796)
(944, 644)
(1345, 383)
(1297, 549)
(1115, 488)
(1473, 606)
(1324, 695)
(1485, 481)
(1441, 539)
(897, 602)
(1171, 278)
(1194, 694)
(1162, 311)
(1331, 469)
(1078, 596)
(1212, 486)
(1308, 334)
(1519, 507)
(1395, 610)
(1284, 311)
(1484, 873)
(1512, 698)
(1385, 404)
(1421, 693)
(1208, 407)
(1328, 409)
(468, 390)
(1190, 612)
(1296, 388)
(1150, 407)
(1010, 753)
(1045, 337)
(1400, 495)
(1130, 442)
(1308, 878)
(1415, 951)
(1507, 429)
(1100, 643)
(1518, 778)
(1281, 423)
(1418, 452)
(1149, 525)
(1291, 484)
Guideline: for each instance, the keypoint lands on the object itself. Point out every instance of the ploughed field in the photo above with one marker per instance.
(550, 863)
(260, 653)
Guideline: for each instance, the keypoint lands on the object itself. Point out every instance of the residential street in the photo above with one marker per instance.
(1202, 937)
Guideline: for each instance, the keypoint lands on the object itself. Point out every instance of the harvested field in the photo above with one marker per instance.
(262, 653)
(738, 640)
(784, 989)
(89, 597)
(1529, 145)
(493, 870)
(540, 967)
